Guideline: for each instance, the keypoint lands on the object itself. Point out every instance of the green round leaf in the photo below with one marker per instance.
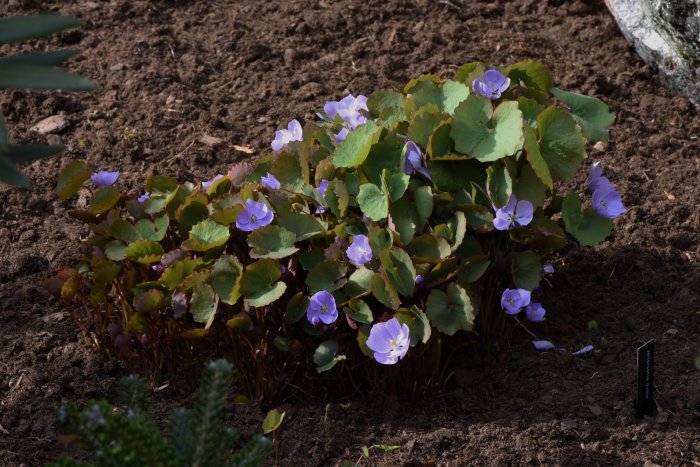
(304, 226)
(486, 135)
(358, 282)
(173, 276)
(359, 311)
(272, 421)
(453, 93)
(590, 113)
(266, 296)
(327, 276)
(115, 250)
(450, 312)
(260, 276)
(296, 307)
(527, 270)
(203, 305)
(373, 202)
(272, 241)
(562, 145)
(206, 235)
(225, 279)
(149, 300)
(355, 147)
(104, 199)
(71, 178)
(325, 356)
(533, 74)
(144, 251)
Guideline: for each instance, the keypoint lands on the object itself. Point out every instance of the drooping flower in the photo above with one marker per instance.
(535, 312)
(491, 84)
(514, 212)
(270, 182)
(206, 185)
(544, 345)
(104, 178)
(359, 251)
(607, 202)
(322, 308)
(513, 300)
(254, 216)
(348, 108)
(144, 197)
(548, 268)
(340, 136)
(292, 133)
(596, 179)
(389, 341)
(419, 280)
(583, 350)
(322, 187)
(414, 160)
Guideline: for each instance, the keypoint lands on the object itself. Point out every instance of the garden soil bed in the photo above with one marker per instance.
(172, 72)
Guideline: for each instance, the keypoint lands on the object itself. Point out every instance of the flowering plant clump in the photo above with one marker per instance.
(391, 223)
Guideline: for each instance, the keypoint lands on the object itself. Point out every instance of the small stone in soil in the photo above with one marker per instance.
(53, 124)
(211, 141)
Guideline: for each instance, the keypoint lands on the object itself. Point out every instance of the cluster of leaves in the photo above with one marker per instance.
(129, 437)
(32, 71)
(188, 270)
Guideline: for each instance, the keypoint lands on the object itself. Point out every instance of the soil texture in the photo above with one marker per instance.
(173, 72)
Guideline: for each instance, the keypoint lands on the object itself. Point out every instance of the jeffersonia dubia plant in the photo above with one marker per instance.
(437, 200)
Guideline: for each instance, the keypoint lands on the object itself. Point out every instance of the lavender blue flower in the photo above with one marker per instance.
(491, 84)
(340, 136)
(359, 251)
(292, 133)
(513, 300)
(583, 350)
(206, 185)
(548, 268)
(514, 212)
(254, 216)
(270, 182)
(535, 312)
(544, 345)
(414, 160)
(348, 108)
(144, 197)
(607, 202)
(322, 187)
(104, 178)
(389, 341)
(322, 308)
(419, 280)
(596, 179)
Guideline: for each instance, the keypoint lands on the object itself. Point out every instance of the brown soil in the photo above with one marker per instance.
(173, 71)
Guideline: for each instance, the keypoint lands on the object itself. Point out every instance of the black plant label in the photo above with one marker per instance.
(645, 406)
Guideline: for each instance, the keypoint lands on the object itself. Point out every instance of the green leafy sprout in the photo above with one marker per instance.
(129, 437)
